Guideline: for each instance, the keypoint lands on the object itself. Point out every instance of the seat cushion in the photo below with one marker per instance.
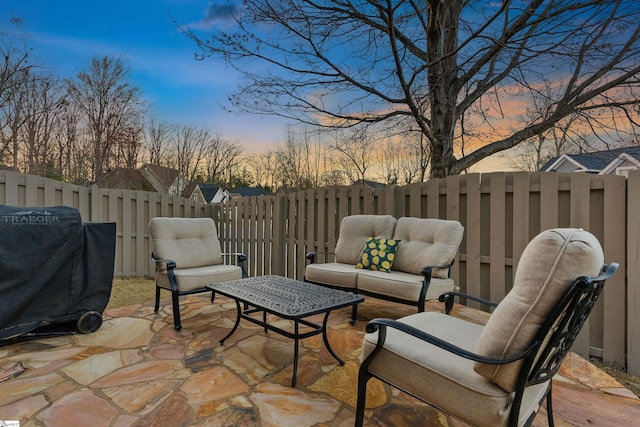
(441, 378)
(426, 242)
(401, 285)
(354, 231)
(332, 274)
(193, 278)
(190, 242)
(548, 267)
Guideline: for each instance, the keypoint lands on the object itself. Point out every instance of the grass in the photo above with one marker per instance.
(132, 290)
(139, 290)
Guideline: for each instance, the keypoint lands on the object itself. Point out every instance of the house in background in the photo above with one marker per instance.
(163, 179)
(128, 179)
(249, 191)
(617, 162)
(205, 193)
(369, 183)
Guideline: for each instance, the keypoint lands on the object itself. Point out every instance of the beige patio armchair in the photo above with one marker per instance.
(188, 256)
(498, 374)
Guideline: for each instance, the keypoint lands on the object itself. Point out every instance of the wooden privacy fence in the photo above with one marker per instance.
(501, 213)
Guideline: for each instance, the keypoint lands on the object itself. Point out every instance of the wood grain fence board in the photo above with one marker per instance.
(415, 200)
(11, 189)
(84, 203)
(31, 190)
(453, 212)
(633, 274)
(497, 206)
(312, 221)
(333, 222)
(260, 237)
(142, 249)
(548, 201)
(433, 198)
(613, 242)
(49, 192)
(580, 218)
(289, 234)
(321, 237)
(473, 233)
(127, 241)
(520, 216)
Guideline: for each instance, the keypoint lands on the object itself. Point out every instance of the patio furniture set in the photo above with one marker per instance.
(503, 370)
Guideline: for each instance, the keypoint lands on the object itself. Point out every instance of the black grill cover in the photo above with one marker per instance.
(53, 269)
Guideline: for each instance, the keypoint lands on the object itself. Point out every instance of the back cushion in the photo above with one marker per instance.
(426, 242)
(354, 231)
(549, 265)
(190, 242)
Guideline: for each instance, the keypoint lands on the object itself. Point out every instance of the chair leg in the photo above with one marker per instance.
(157, 298)
(363, 378)
(550, 408)
(176, 310)
(213, 296)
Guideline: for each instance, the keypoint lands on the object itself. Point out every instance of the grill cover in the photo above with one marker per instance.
(53, 270)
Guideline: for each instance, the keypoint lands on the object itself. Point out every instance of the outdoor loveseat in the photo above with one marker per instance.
(406, 260)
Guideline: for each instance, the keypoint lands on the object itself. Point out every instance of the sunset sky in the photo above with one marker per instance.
(66, 34)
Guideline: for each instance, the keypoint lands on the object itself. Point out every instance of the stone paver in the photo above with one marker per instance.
(136, 370)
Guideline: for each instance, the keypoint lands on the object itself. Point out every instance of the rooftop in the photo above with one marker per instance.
(136, 370)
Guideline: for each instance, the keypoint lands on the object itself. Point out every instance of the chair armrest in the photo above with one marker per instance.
(426, 271)
(447, 299)
(381, 325)
(240, 261)
(171, 264)
(311, 256)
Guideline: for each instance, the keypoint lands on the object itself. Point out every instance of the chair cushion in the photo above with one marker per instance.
(332, 274)
(190, 242)
(441, 378)
(548, 266)
(378, 254)
(402, 285)
(426, 242)
(354, 231)
(189, 279)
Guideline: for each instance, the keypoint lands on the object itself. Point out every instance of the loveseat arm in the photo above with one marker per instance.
(448, 299)
(311, 256)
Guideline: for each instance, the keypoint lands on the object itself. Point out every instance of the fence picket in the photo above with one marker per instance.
(501, 212)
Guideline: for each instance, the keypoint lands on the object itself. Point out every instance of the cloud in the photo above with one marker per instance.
(217, 14)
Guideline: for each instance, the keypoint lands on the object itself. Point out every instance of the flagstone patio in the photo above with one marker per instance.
(136, 370)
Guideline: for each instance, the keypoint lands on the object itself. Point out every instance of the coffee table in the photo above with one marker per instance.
(287, 299)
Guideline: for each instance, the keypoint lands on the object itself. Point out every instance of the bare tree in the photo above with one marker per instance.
(42, 99)
(436, 66)
(262, 167)
(222, 159)
(110, 107)
(190, 149)
(157, 138)
(355, 149)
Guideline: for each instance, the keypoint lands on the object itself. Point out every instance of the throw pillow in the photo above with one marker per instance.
(378, 254)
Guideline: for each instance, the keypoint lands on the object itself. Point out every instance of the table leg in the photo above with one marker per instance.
(234, 326)
(295, 353)
(326, 340)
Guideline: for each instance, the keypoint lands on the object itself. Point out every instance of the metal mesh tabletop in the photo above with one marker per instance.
(286, 297)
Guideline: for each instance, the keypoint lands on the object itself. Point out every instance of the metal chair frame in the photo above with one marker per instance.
(563, 325)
